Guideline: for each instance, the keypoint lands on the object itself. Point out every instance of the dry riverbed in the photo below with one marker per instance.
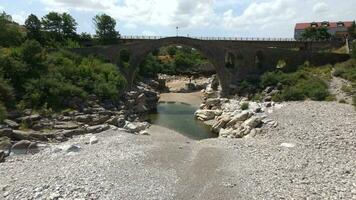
(311, 154)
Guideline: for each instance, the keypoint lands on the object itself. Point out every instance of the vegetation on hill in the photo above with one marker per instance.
(319, 33)
(172, 60)
(33, 77)
(347, 70)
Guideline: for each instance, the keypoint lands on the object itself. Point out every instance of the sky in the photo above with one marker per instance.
(219, 18)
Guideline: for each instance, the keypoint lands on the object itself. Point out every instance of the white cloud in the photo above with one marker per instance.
(148, 33)
(320, 7)
(234, 17)
(20, 17)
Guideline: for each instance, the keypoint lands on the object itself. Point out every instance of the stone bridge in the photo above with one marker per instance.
(233, 60)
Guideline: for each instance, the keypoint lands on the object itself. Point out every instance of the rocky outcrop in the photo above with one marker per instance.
(236, 117)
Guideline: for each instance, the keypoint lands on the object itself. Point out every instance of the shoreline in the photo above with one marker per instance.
(193, 98)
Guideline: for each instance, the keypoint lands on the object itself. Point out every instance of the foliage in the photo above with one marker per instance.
(10, 34)
(346, 70)
(2, 112)
(313, 33)
(296, 86)
(172, 60)
(353, 53)
(352, 30)
(33, 28)
(244, 106)
(105, 29)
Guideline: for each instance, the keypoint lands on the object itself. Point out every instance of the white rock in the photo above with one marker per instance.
(70, 148)
(135, 127)
(287, 145)
(93, 140)
(253, 122)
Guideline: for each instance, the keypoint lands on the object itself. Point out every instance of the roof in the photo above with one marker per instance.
(302, 26)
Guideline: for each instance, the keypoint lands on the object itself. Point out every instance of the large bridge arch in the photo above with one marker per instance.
(215, 54)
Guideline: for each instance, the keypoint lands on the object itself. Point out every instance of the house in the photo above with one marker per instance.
(337, 29)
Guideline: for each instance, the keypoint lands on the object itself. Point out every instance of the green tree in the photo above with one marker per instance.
(33, 27)
(352, 30)
(105, 29)
(313, 33)
(69, 26)
(10, 32)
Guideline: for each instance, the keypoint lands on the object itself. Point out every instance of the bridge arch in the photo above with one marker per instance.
(214, 54)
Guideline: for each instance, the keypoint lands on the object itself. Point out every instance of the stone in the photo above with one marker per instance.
(11, 124)
(113, 120)
(221, 123)
(70, 148)
(73, 132)
(66, 125)
(93, 140)
(24, 144)
(29, 119)
(212, 102)
(5, 143)
(42, 124)
(2, 156)
(253, 122)
(144, 132)
(97, 128)
(83, 118)
(244, 115)
(268, 89)
(205, 115)
(6, 132)
(287, 145)
(135, 127)
(254, 107)
(225, 132)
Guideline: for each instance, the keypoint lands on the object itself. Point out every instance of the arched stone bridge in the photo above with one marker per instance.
(233, 60)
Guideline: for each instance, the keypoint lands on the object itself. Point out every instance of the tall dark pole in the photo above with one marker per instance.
(177, 31)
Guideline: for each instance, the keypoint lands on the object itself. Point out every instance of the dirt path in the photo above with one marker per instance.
(335, 88)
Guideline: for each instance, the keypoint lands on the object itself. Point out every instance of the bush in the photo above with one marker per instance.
(297, 86)
(2, 112)
(244, 106)
(353, 53)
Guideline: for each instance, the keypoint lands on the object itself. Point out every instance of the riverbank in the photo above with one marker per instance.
(194, 98)
(310, 154)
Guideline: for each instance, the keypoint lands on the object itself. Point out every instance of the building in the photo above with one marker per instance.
(337, 29)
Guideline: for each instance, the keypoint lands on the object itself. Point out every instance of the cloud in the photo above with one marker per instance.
(320, 7)
(20, 17)
(228, 17)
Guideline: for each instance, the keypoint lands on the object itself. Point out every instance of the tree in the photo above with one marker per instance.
(352, 30)
(10, 34)
(69, 26)
(33, 27)
(313, 33)
(105, 29)
(52, 22)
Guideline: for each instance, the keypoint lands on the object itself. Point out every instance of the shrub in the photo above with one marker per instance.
(2, 112)
(353, 53)
(244, 106)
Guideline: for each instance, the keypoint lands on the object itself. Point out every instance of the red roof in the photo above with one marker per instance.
(302, 26)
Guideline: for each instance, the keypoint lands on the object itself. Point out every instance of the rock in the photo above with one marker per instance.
(29, 135)
(5, 143)
(29, 119)
(287, 145)
(226, 132)
(66, 125)
(240, 117)
(73, 132)
(6, 132)
(267, 98)
(205, 115)
(212, 102)
(24, 144)
(118, 121)
(254, 107)
(144, 132)
(99, 120)
(83, 118)
(253, 122)
(93, 140)
(97, 128)
(11, 124)
(2, 156)
(268, 89)
(70, 148)
(135, 127)
(42, 124)
(221, 123)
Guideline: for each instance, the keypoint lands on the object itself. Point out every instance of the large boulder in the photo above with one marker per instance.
(11, 124)
(244, 115)
(135, 127)
(221, 123)
(118, 121)
(97, 128)
(253, 122)
(6, 132)
(205, 115)
(24, 144)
